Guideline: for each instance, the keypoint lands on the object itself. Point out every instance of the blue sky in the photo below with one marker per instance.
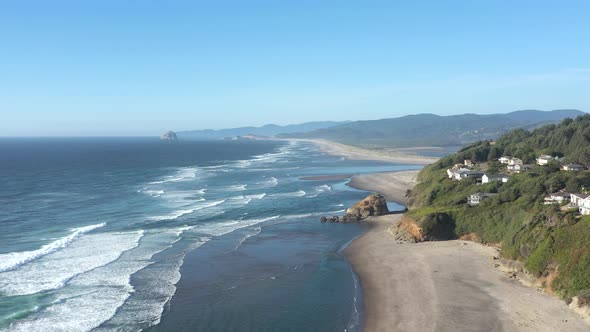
(143, 67)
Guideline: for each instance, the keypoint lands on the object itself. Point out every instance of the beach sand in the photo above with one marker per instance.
(442, 286)
(355, 153)
(392, 185)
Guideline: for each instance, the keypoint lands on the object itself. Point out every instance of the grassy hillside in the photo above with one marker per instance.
(434, 130)
(547, 239)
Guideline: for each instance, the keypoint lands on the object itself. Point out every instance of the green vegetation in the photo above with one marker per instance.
(545, 238)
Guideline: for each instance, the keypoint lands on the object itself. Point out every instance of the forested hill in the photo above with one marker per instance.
(266, 130)
(552, 241)
(434, 130)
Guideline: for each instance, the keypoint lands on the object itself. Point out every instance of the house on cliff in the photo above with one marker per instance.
(545, 159)
(584, 207)
(572, 167)
(487, 178)
(557, 198)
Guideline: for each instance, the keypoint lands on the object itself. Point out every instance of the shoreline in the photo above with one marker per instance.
(392, 185)
(355, 153)
(444, 285)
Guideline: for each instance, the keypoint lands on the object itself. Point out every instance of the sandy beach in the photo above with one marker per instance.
(392, 185)
(442, 286)
(355, 153)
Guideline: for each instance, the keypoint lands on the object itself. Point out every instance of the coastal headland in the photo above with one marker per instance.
(439, 286)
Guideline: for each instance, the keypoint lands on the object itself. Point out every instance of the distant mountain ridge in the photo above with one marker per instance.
(435, 130)
(267, 130)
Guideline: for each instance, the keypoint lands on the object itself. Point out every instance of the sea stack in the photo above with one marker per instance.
(372, 205)
(169, 136)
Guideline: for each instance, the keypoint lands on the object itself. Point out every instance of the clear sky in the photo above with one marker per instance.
(142, 67)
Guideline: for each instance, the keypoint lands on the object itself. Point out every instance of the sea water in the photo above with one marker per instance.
(130, 234)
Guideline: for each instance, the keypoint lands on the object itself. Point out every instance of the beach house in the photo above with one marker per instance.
(545, 159)
(514, 161)
(487, 178)
(584, 207)
(572, 167)
(520, 168)
(476, 198)
(576, 199)
(557, 198)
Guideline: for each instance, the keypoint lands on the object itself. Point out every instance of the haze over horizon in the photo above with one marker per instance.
(136, 68)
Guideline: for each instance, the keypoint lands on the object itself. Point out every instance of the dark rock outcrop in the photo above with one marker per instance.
(373, 205)
(169, 136)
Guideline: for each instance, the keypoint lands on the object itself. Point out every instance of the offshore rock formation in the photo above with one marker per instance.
(169, 136)
(373, 205)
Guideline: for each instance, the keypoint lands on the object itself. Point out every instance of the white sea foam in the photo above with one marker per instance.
(12, 260)
(187, 210)
(254, 232)
(324, 187)
(259, 196)
(274, 181)
(159, 285)
(239, 200)
(299, 193)
(153, 193)
(95, 297)
(53, 270)
(183, 174)
(320, 189)
(237, 187)
(222, 228)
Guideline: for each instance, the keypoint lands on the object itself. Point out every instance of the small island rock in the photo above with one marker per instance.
(169, 136)
(373, 205)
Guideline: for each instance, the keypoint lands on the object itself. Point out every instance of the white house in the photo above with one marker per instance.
(584, 207)
(572, 167)
(545, 159)
(461, 173)
(557, 198)
(519, 168)
(514, 161)
(468, 163)
(576, 199)
(487, 178)
(476, 198)
(504, 160)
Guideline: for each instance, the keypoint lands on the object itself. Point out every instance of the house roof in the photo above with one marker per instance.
(582, 196)
(561, 194)
(574, 165)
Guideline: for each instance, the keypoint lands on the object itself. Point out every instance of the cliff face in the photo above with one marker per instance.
(373, 205)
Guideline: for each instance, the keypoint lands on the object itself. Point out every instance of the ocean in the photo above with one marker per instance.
(130, 234)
